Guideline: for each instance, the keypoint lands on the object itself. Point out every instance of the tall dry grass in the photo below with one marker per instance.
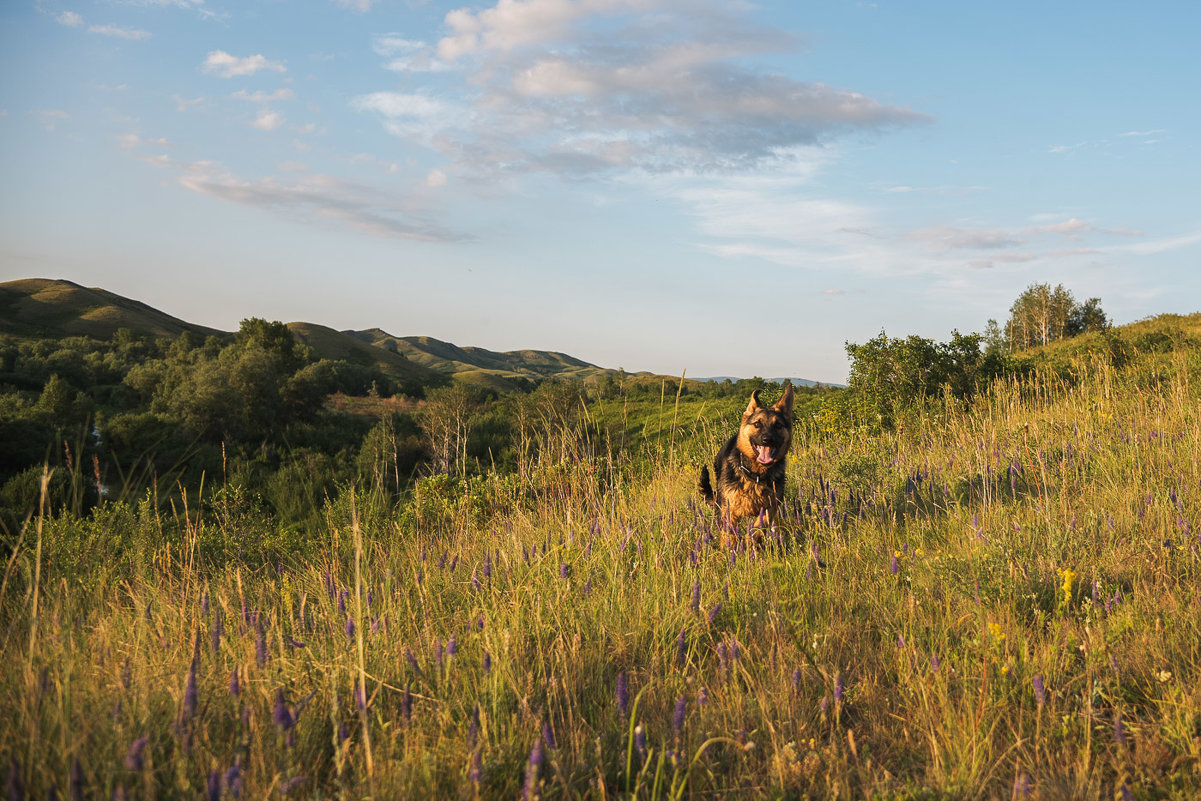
(993, 603)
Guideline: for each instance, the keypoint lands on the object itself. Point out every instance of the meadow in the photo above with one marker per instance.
(994, 601)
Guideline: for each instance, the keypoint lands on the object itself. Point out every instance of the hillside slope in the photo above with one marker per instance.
(337, 345)
(44, 307)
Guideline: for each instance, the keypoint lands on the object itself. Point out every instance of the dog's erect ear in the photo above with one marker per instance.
(753, 406)
(784, 404)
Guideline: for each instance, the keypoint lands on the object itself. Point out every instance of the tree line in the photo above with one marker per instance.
(891, 376)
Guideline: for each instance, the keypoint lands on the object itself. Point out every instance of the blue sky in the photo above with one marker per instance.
(727, 188)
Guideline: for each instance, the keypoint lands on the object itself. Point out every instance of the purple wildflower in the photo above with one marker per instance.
(452, 646)
(623, 694)
(640, 739)
(283, 715)
(291, 784)
(935, 662)
(412, 660)
(191, 693)
(406, 705)
(695, 605)
(134, 758)
(214, 786)
(1021, 786)
(895, 566)
(260, 646)
(548, 736)
(473, 728)
(681, 648)
(477, 767)
(1127, 793)
(218, 628)
(342, 596)
(16, 789)
(349, 628)
(839, 689)
(714, 612)
(1040, 691)
(204, 602)
(292, 642)
(1119, 729)
(235, 687)
(796, 680)
(233, 781)
(702, 697)
(530, 790)
(78, 783)
(564, 570)
(487, 663)
(677, 718)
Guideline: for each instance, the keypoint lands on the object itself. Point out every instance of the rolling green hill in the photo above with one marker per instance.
(40, 307)
(330, 344)
(480, 365)
(47, 308)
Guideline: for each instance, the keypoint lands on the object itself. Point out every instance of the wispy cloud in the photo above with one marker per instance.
(132, 34)
(70, 19)
(265, 97)
(944, 237)
(224, 65)
(50, 118)
(358, 6)
(308, 196)
(267, 120)
(318, 197)
(186, 104)
(648, 85)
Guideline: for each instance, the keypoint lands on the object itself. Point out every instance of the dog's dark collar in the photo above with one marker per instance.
(742, 460)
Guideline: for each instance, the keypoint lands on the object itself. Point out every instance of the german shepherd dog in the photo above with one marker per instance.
(749, 469)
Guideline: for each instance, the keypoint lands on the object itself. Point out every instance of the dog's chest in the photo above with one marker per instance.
(746, 497)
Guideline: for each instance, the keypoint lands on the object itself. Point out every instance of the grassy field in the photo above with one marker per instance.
(995, 603)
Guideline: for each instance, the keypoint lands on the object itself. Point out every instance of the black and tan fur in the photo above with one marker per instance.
(749, 469)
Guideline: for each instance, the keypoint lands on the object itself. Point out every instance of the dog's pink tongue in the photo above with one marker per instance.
(764, 454)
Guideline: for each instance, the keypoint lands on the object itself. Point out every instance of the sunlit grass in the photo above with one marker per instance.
(989, 604)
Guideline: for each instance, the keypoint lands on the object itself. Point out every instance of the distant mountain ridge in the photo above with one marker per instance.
(798, 382)
(49, 308)
(53, 308)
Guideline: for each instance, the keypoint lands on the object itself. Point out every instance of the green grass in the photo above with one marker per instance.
(886, 645)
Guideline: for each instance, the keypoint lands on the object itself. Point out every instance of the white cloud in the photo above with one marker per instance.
(435, 179)
(267, 120)
(119, 33)
(1074, 228)
(316, 197)
(591, 86)
(184, 104)
(944, 237)
(49, 118)
(70, 19)
(417, 116)
(224, 65)
(130, 141)
(265, 97)
(407, 55)
(358, 6)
